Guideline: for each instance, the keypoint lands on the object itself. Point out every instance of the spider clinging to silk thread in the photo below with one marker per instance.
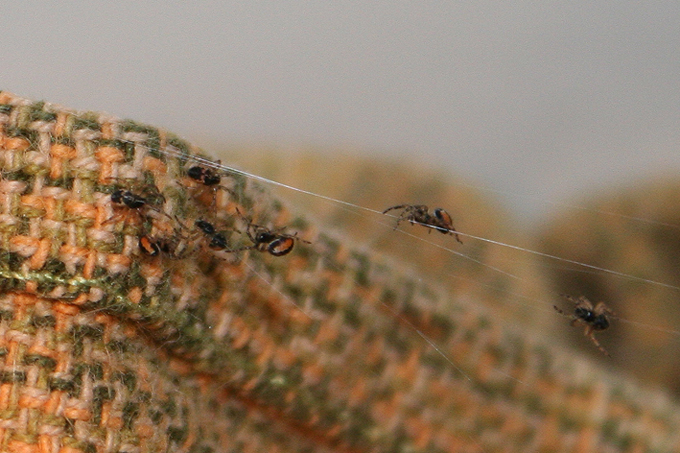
(440, 220)
(594, 317)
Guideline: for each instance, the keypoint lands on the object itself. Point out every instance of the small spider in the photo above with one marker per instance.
(594, 317)
(276, 244)
(209, 181)
(133, 206)
(136, 201)
(127, 198)
(218, 241)
(440, 220)
(205, 176)
(265, 240)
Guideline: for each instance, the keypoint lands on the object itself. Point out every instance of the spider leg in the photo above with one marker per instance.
(401, 206)
(126, 217)
(215, 189)
(295, 237)
(240, 249)
(455, 234)
(602, 308)
(558, 310)
(585, 303)
(569, 298)
(249, 227)
(426, 220)
(200, 190)
(591, 335)
(403, 216)
(574, 320)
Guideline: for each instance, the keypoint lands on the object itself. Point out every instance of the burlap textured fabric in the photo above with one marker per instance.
(105, 348)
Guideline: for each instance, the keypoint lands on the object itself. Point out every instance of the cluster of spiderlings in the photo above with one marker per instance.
(185, 239)
(131, 203)
(263, 239)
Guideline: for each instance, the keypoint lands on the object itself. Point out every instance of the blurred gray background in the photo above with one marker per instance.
(538, 100)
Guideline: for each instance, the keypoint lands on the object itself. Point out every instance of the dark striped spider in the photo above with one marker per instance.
(440, 220)
(217, 240)
(593, 317)
(205, 176)
(136, 205)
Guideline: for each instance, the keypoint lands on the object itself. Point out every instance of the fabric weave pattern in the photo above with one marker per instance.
(104, 348)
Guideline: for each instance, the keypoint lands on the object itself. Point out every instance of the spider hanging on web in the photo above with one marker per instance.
(440, 220)
(594, 317)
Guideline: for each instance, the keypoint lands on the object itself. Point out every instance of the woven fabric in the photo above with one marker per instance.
(105, 348)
